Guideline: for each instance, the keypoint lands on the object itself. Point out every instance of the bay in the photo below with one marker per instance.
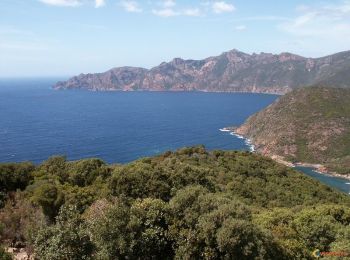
(37, 122)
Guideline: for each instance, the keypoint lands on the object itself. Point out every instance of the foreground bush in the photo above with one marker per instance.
(66, 239)
(189, 204)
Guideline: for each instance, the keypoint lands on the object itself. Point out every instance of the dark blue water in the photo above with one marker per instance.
(338, 183)
(37, 122)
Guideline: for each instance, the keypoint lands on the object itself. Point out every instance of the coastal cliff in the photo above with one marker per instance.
(309, 125)
(232, 71)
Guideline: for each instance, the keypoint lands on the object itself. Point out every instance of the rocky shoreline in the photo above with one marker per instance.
(247, 141)
(319, 168)
(266, 91)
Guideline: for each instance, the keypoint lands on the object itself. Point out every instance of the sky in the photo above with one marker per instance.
(44, 38)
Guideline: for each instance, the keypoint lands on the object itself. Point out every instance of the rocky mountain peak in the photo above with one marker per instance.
(287, 56)
(232, 71)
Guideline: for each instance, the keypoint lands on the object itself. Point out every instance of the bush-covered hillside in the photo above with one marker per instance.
(188, 204)
(307, 125)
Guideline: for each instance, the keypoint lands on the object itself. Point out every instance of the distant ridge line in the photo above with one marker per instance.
(232, 71)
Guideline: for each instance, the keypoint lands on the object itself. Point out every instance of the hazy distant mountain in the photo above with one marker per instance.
(232, 71)
(307, 125)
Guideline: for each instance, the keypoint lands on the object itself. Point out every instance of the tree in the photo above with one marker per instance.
(53, 168)
(240, 239)
(19, 219)
(85, 172)
(342, 242)
(67, 239)
(197, 219)
(135, 232)
(50, 198)
(318, 231)
(15, 176)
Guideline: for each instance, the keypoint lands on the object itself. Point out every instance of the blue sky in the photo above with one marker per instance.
(67, 37)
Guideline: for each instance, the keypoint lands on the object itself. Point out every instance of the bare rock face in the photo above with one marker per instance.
(124, 78)
(231, 71)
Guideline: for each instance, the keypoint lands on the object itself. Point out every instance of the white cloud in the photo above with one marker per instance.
(131, 6)
(99, 3)
(240, 27)
(167, 8)
(168, 3)
(70, 3)
(222, 7)
(319, 29)
(323, 21)
(166, 12)
(192, 12)
(263, 18)
(169, 12)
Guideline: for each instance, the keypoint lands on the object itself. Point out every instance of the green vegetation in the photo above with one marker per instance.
(4, 255)
(12, 177)
(188, 204)
(309, 125)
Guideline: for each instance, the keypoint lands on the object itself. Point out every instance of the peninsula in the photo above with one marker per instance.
(232, 71)
(309, 126)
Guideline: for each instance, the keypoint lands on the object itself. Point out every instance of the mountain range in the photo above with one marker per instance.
(232, 71)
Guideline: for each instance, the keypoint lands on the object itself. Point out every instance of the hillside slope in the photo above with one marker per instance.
(309, 125)
(188, 204)
(232, 71)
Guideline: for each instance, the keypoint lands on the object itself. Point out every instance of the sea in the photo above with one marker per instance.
(37, 122)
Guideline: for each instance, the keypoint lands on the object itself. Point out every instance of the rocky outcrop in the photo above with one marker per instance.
(232, 71)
